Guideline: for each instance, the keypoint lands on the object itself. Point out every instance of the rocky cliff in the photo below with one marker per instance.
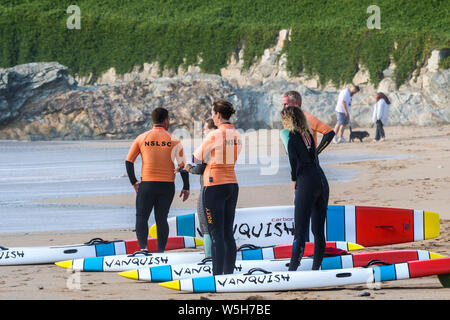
(43, 101)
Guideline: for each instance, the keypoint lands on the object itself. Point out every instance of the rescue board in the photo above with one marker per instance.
(94, 248)
(144, 259)
(258, 280)
(367, 226)
(204, 268)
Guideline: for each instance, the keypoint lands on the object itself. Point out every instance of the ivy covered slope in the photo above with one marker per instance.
(328, 38)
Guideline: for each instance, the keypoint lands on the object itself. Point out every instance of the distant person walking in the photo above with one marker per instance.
(342, 109)
(381, 115)
(199, 169)
(220, 149)
(158, 149)
(310, 185)
(293, 98)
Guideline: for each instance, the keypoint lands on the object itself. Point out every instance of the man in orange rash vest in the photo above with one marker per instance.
(158, 149)
(293, 98)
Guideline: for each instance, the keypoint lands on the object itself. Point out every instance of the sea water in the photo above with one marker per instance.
(33, 171)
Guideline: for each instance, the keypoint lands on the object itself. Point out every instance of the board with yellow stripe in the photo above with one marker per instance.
(204, 268)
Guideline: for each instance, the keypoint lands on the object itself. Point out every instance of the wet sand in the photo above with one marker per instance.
(420, 181)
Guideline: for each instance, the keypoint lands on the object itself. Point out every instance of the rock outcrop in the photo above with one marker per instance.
(117, 111)
(27, 84)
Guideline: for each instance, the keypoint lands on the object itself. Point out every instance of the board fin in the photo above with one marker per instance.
(444, 279)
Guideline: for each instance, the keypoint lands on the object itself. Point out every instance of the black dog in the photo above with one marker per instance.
(358, 135)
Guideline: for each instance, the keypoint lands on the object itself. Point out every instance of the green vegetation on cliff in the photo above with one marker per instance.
(328, 38)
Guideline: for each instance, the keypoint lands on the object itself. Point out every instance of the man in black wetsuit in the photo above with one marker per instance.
(158, 149)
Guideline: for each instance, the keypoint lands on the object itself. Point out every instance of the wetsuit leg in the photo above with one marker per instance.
(304, 200)
(162, 206)
(318, 218)
(145, 201)
(230, 242)
(158, 196)
(214, 209)
(220, 203)
(203, 225)
(201, 213)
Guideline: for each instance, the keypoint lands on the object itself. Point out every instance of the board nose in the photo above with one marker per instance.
(67, 264)
(152, 231)
(130, 274)
(174, 285)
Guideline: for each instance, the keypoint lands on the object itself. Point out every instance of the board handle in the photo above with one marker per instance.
(250, 272)
(389, 228)
(143, 252)
(204, 261)
(96, 241)
(248, 247)
(374, 262)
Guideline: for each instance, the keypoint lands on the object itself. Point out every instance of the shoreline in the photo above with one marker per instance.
(418, 182)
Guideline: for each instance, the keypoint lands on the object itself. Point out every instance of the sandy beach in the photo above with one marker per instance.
(420, 181)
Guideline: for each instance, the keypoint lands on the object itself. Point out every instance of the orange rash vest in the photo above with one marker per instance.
(158, 149)
(221, 147)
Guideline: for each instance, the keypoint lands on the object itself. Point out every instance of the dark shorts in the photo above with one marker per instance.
(342, 119)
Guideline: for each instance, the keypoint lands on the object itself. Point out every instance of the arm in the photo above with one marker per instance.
(129, 164)
(198, 169)
(344, 106)
(326, 139)
(293, 165)
(185, 176)
(321, 127)
(379, 109)
(181, 161)
(202, 153)
(284, 135)
(130, 172)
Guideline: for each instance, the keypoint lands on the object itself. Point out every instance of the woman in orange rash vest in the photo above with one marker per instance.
(221, 149)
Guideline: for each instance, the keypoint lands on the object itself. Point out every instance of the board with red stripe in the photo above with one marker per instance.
(283, 251)
(255, 280)
(367, 226)
(173, 243)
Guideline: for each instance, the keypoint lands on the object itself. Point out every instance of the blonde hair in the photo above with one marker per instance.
(294, 119)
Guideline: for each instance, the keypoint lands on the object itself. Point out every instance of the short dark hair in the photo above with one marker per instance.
(224, 107)
(293, 95)
(159, 115)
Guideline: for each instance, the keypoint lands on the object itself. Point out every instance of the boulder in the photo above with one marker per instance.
(28, 84)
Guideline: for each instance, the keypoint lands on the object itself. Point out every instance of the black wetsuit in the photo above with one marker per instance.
(199, 169)
(220, 205)
(311, 197)
(156, 195)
